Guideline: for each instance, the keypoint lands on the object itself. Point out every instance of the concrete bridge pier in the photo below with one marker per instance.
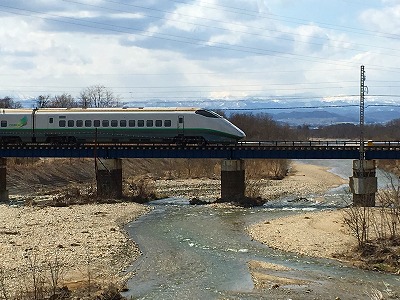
(4, 197)
(363, 183)
(232, 179)
(109, 178)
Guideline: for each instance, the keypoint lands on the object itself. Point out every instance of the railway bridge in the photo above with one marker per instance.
(233, 158)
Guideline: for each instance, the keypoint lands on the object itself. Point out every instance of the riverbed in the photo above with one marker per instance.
(205, 252)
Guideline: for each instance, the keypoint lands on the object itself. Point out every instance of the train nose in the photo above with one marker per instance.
(233, 130)
(241, 133)
(237, 131)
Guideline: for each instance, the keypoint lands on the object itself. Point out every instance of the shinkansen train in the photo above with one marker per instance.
(118, 125)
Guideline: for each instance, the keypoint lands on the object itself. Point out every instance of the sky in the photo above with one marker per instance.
(149, 50)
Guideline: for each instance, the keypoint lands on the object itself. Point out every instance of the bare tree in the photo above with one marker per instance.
(64, 100)
(55, 267)
(8, 102)
(97, 96)
(279, 168)
(388, 224)
(34, 271)
(358, 220)
(43, 101)
(261, 126)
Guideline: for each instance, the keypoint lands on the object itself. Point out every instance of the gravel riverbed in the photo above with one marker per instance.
(88, 241)
(84, 240)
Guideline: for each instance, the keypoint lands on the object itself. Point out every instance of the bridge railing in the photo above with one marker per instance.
(320, 143)
(311, 143)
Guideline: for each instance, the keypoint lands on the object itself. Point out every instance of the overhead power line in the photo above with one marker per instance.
(252, 13)
(252, 28)
(305, 107)
(291, 107)
(201, 73)
(178, 39)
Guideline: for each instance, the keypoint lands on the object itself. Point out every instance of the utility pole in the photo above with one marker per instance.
(362, 107)
(363, 184)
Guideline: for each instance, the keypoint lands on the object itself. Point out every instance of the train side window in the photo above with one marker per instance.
(140, 123)
(51, 120)
(3, 123)
(88, 123)
(158, 123)
(132, 123)
(61, 123)
(114, 123)
(122, 123)
(79, 123)
(149, 123)
(167, 123)
(105, 123)
(96, 123)
(71, 123)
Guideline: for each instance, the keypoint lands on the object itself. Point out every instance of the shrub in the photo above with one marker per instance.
(141, 190)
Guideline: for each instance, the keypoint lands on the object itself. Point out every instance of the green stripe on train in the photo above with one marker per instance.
(191, 131)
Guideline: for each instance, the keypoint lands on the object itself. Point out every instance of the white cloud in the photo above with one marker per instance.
(192, 49)
(386, 20)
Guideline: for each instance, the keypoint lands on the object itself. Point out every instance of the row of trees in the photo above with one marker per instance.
(388, 131)
(8, 102)
(262, 127)
(93, 96)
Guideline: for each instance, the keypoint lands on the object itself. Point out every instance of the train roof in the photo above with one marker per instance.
(77, 110)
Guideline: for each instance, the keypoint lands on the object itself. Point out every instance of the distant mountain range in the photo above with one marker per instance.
(323, 117)
(316, 117)
(293, 112)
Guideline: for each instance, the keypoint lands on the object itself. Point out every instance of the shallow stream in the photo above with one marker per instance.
(201, 252)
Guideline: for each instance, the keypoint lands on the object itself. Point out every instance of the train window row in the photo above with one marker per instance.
(114, 123)
(106, 123)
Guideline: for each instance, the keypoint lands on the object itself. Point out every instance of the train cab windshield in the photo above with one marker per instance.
(207, 113)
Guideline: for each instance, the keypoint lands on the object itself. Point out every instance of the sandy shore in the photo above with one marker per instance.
(320, 234)
(84, 241)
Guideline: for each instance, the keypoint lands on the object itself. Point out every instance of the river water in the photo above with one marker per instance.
(201, 252)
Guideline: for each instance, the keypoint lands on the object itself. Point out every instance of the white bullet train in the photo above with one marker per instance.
(116, 125)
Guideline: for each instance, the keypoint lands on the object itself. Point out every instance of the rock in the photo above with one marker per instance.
(275, 286)
(244, 201)
(197, 201)
(299, 199)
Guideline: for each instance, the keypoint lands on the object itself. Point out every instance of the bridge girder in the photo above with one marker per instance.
(220, 152)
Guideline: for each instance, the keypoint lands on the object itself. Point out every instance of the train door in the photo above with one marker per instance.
(181, 125)
(50, 122)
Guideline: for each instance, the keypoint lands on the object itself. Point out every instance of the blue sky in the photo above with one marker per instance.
(193, 49)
